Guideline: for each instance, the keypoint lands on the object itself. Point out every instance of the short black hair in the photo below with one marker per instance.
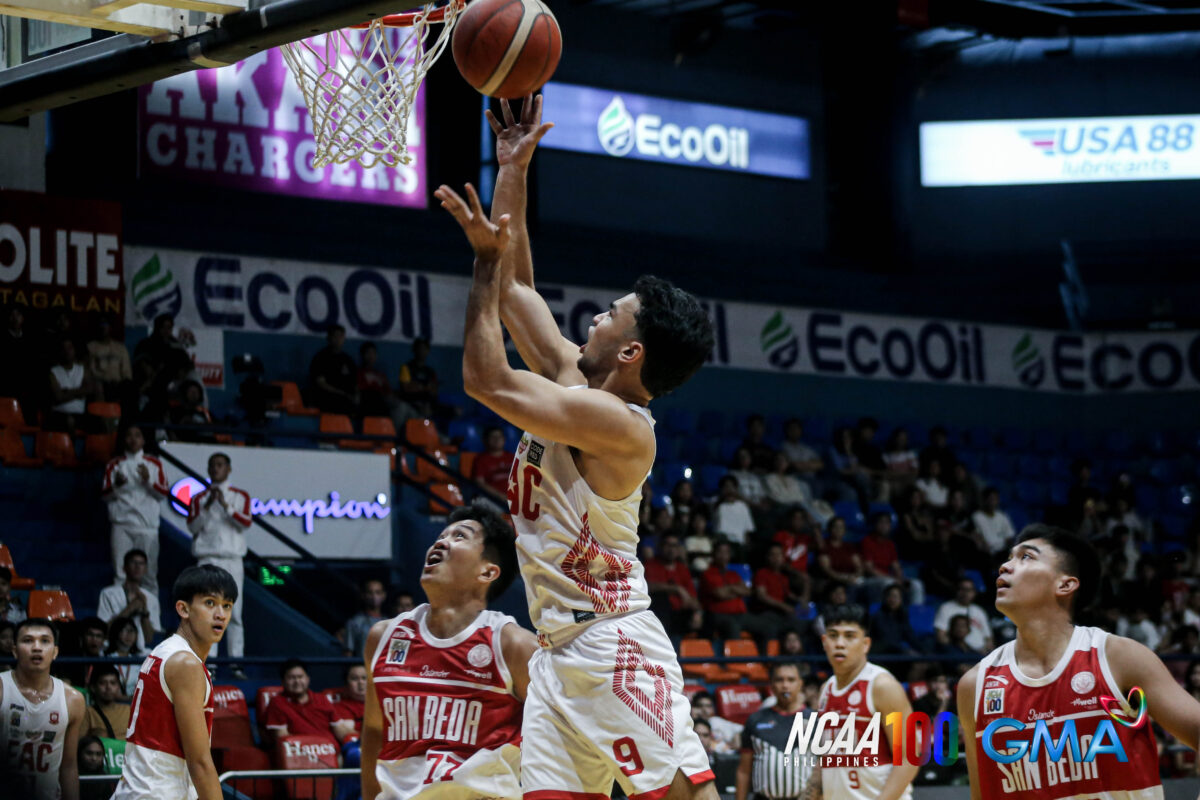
(133, 553)
(702, 721)
(92, 624)
(102, 670)
(1076, 556)
(674, 330)
(499, 542)
(703, 694)
(36, 622)
(346, 672)
(204, 579)
(221, 454)
(334, 328)
(291, 664)
(846, 614)
(164, 317)
(5, 574)
(778, 665)
(365, 346)
(990, 490)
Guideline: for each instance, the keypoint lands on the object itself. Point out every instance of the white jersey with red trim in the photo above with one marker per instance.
(218, 527)
(451, 722)
(577, 550)
(1071, 692)
(134, 503)
(864, 779)
(155, 766)
(32, 735)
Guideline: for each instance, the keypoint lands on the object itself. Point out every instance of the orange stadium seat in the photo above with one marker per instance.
(110, 413)
(340, 423)
(98, 448)
(12, 450)
(11, 416)
(772, 648)
(422, 433)
(427, 472)
(307, 752)
(745, 649)
(702, 648)
(737, 703)
(448, 497)
(466, 461)
(17, 581)
(56, 448)
(292, 402)
(379, 426)
(230, 700)
(50, 604)
(246, 759)
(690, 690)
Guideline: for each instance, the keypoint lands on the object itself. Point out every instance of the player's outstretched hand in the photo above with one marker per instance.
(516, 141)
(487, 239)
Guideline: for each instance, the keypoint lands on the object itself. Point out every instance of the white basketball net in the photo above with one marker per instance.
(360, 85)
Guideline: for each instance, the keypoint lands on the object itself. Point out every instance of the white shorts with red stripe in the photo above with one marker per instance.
(608, 704)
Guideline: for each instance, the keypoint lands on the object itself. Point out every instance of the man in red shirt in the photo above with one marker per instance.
(799, 547)
(297, 711)
(881, 564)
(721, 592)
(349, 710)
(672, 588)
(491, 467)
(776, 602)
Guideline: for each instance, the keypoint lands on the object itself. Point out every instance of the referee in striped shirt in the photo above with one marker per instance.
(764, 767)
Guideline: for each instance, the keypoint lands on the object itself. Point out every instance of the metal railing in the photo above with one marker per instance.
(313, 784)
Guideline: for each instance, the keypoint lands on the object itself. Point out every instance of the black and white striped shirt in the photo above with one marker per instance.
(774, 774)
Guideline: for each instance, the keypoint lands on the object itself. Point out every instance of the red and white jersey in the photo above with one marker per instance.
(219, 528)
(32, 735)
(155, 767)
(135, 503)
(864, 779)
(577, 550)
(450, 718)
(1071, 691)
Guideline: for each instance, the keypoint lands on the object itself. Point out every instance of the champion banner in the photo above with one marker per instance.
(298, 297)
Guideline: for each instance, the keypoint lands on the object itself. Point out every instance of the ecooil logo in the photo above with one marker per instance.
(1028, 362)
(779, 342)
(615, 128)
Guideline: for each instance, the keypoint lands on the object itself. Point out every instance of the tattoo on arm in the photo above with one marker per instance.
(812, 789)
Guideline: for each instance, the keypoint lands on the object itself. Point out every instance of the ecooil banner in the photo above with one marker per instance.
(267, 295)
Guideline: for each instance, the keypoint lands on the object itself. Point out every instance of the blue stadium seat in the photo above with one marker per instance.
(1059, 467)
(679, 420)
(711, 423)
(1148, 499)
(1047, 442)
(1000, 466)
(817, 431)
(1119, 443)
(969, 459)
(1166, 471)
(512, 437)
(1164, 444)
(1060, 491)
(1031, 467)
(980, 438)
(1016, 440)
(1180, 500)
(459, 400)
(695, 449)
(808, 612)
(1174, 525)
(873, 608)
(744, 571)
(1032, 493)
(729, 446)
(976, 578)
(666, 473)
(470, 432)
(1079, 443)
(667, 446)
(884, 508)
(710, 476)
(921, 618)
(849, 511)
(1018, 516)
(918, 433)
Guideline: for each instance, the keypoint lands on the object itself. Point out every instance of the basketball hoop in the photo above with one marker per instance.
(360, 84)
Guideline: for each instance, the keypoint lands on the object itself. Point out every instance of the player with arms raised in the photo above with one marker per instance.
(445, 681)
(861, 689)
(167, 753)
(1056, 671)
(39, 726)
(605, 699)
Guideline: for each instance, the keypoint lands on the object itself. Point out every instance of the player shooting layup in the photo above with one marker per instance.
(445, 681)
(167, 752)
(605, 693)
(1057, 671)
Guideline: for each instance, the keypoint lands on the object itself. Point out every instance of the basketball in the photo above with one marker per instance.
(507, 48)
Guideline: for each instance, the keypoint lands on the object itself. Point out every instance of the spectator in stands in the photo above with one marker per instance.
(891, 631)
(731, 515)
(333, 376)
(805, 462)
(979, 636)
(134, 486)
(1138, 625)
(956, 644)
(772, 590)
(956, 515)
(400, 601)
(768, 767)
(10, 611)
(762, 455)
(750, 482)
(939, 450)
(1122, 514)
(683, 496)
(297, 711)
(376, 397)
(942, 568)
(937, 494)
(107, 716)
(491, 467)
(881, 563)
(350, 709)
(900, 461)
(90, 633)
(963, 481)
(1191, 682)
(157, 360)
(90, 761)
(419, 381)
(189, 409)
(19, 373)
(698, 544)
(218, 519)
(833, 594)
(8, 641)
(918, 532)
(1090, 523)
(725, 732)
(800, 546)
(704, 730)
(123, 643)
(870, 457)
(993, 524)
(129, 598)
(110, 366)
(71, 387)
(723, 594)
(354, 633)
(847, 470)
(672, 588)
(784, 488)
(839, 559)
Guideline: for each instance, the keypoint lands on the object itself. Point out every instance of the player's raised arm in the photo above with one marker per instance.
(888, 697)
(372, 728)
(523, 311)
(68, 770)
(1134, 664)
(518, 645)
(966, 718)
(185, 678)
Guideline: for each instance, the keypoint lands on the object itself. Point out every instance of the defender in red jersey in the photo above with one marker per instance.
(859, 689)
(167, 753)
(1054, 678)
(446, 681)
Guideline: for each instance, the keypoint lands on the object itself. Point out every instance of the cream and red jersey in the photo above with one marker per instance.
(855, 698)
(443, 700)
(1071, 691)
(32, 735)
(577, 550)
(155, 765)
(218, 527)
(134, 503)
